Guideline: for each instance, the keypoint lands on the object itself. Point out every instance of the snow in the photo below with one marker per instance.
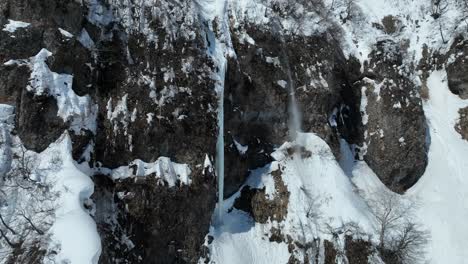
(79, 110)
(74, 234)
(168, 171)
(241, 148)
(86, 40)
(207, 165)
(282, 83)
(273, 60)
(13, 25)
(244, 37)
(363, 107)
(417, 26)
(65, 33)
(119, 113)
(149, 118)
(315, 181)
(98, 13)
(442, 189)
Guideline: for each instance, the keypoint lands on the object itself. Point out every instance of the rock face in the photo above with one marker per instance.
(457, 68)
(152, 84)
(261, 207)
(393, 120)
(33, 111)
(156, 98)
(358, 250)
(257, 95)
(462, 125)
(145, 220)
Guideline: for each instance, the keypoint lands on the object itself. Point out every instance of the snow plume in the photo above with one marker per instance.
(295, 117)
(219, 45)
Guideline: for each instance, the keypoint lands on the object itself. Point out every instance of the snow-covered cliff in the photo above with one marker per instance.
(233, 131)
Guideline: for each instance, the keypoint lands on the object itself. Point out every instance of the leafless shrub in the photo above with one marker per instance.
(438, 8)
(27, 206)
(401, 237)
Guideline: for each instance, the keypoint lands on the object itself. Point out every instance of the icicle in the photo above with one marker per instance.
(219, 46)
(220, 153)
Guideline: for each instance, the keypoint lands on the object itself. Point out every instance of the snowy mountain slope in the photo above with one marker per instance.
(442, 189)
(320, 194)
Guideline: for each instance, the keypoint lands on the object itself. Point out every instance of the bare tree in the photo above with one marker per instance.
(27, 205)
(438, 8)
(463, 5)
(409, 243)
(401, 238)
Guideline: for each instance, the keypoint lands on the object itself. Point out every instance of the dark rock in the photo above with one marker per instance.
(256, 94)
(394, 132)
(462, 126)
(330, 252)
(70, 57)
(13, 80)
(179, 120)
(357, 250)
(67, 14)
(391, 24)
(457, 69)
(167, 101)
(79, 144)
(22, 44)
(37, 123)
(161, 222)
(276, 235)
(262, 208)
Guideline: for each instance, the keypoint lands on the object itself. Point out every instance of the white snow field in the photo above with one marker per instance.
(443, 189)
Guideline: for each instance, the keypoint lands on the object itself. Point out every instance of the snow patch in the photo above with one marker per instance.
(78, 110)
(65, 33)
(163, 168)
(13, 25)
(240, 148)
